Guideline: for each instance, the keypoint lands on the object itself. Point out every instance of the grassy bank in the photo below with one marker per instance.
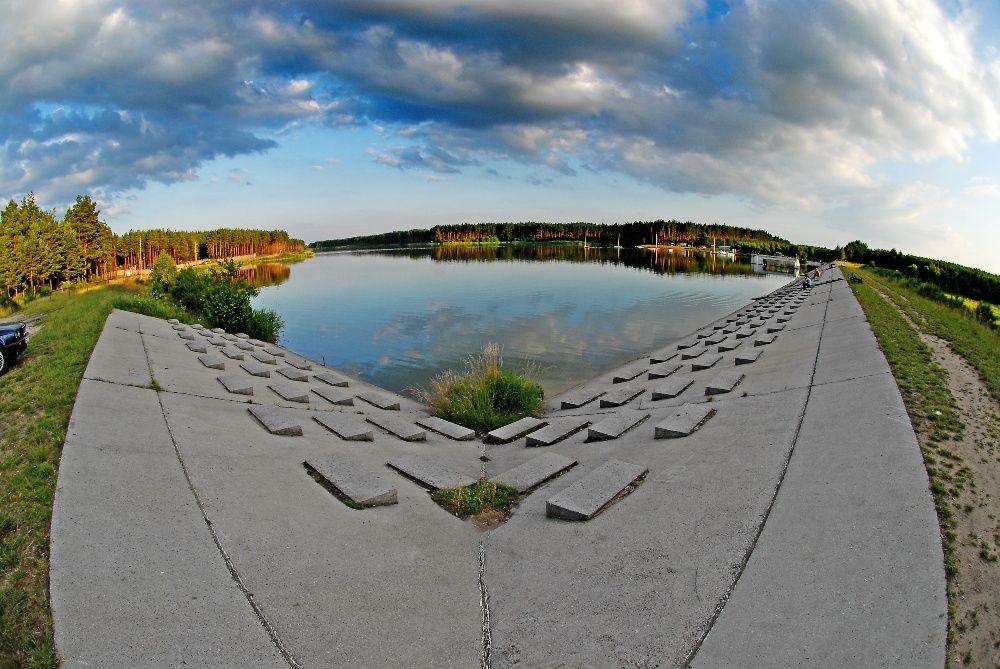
(36, 399)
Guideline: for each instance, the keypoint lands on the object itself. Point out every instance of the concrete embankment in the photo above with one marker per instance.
(755, 497)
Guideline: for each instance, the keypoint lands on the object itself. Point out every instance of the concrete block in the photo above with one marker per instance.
(535, 472)
(379, 400)
(663, 370)
(186, 334)
(346, 426)
(400, 427)
(429, 473)
(692, 354)
(629, 373)
(243, 346)
(233, 353)
(197, 326)
(275, 351)
(291, 392)
(688, 344)
(515, 430)
(615, 425)
(745, 333)
(236, 384)
(775, 328)
(764, 340)
(276, 421)
(578, 398)
(178, 326)
(672, 388)
(362, 487)
(197, 347)
(218, 331)
(707, 362)
(591, 494)
(220, 343)
(730, 329)
(292, 374)
(335, 396)
(256, 368)
(557, 430)
(447, 428)
(748, 356)
(173, 321)
(743, 321)
(205, 333)
(683, 420)
(265, 358)
(715, 339)
(730, 345)
(331, 379)
(783, 319)
(242, 335)
(723, 383)
(622, 395)
(212, 361)
(304, 365)
(658, 358)
(230, 337)
(704, 334)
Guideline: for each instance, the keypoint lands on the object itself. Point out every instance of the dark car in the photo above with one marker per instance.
(13, 342)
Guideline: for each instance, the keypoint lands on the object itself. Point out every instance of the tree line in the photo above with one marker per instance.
(37, 248)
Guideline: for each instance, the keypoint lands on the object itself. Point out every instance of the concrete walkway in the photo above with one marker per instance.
(793, 527)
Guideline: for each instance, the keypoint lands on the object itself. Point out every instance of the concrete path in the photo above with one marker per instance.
(792, 526)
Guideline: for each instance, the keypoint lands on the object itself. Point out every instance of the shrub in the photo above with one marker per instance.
(486, 396)
(264, 325)
(149, 306)
(163, 275)
(985, 314)
(188, 288)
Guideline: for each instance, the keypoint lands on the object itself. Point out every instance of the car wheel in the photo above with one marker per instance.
(3, 362)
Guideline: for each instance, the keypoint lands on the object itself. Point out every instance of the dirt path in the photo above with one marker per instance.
(975, 463)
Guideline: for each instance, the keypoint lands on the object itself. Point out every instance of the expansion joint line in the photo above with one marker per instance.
(233, 572)
(767, 514)
(484, 602)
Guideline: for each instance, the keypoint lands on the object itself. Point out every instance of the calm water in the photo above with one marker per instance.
(397, 318)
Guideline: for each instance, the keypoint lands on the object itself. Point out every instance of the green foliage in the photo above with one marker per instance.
(150, 305)
(265, 325)
(163, 275)
(481, 497)
(986, 315)
(486, 396)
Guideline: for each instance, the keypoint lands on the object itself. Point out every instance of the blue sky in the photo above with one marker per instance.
(821, 121)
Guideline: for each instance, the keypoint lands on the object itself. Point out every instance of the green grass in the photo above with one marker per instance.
(146, 304)
(486, 396)
(36, 399)
(481, 497)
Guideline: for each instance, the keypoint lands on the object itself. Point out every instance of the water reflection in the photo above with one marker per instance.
(396, 318)
(267, 274)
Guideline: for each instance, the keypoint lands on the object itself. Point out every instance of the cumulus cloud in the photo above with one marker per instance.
(792, 105)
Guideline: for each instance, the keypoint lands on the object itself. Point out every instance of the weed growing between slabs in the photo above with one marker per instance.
(486, 501)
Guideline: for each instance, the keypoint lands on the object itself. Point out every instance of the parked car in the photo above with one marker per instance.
(13, 342)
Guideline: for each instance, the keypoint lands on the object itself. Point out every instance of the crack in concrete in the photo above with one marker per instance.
(760, 528)
(484, 603)
(230, 566)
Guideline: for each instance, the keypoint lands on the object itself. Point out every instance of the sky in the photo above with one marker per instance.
(822, 121)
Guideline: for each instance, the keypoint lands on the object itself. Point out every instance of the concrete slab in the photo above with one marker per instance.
(244, 346)
(218, 343)
(658, 358)
(730, 329)
(724, 382)
(663, 370)
(255, 368)
(447, 428)
(332, 379)
(730, 345)
(593, 493)
(775, 328)
(264, 358)
(535, 472)
(706, 362)
(379, 400)
(233, 353)
(629, 373)
(173, 321)
(186, 334)
(690, 343)
(748, 356)
(620, 396)
(362, 487)
(715, 339)
(230, 337)
(429, 472)
(515, 430)
(275, 351)
(197, 347)
(218, 331)
(346, 426)
(212, 361)
(335, 396)
(557, 430)
(672, 388)
(683, 420)
(236, 384)
(197, 326)
(400, 427)
(292, 374)
(242, 335)
(276, 421)
(744, 333)
(298, 363)
(764, 340)
(580, 397)
(692, 354)
(615, 425)
(291, 392)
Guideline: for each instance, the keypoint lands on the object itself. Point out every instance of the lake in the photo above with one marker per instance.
(396, 318)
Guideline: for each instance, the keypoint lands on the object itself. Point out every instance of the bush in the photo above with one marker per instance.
(486, 396)
(150, 306)
(264, 325)
(188, 288)
(163, 275)
(985, 314)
